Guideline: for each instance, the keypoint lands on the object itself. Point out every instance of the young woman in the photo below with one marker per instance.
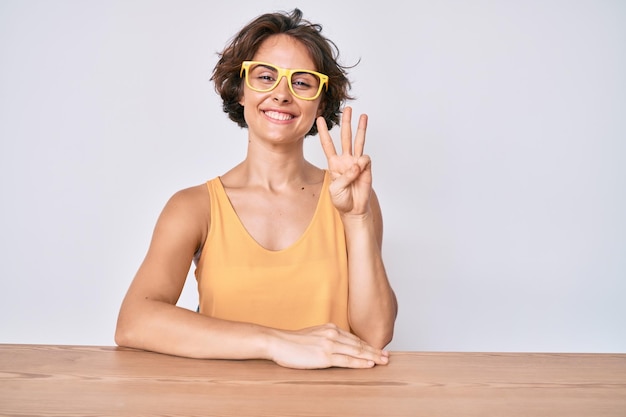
(288, 255)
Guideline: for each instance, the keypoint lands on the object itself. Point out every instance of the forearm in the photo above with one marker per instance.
(372, 305)
(165, 328)
(161, 327)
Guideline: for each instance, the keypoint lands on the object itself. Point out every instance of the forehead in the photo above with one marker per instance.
(284, 51)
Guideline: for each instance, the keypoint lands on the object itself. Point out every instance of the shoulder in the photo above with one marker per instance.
(187, 212)
(191, 198)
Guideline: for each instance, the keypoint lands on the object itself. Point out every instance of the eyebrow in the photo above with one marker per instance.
(268, 66)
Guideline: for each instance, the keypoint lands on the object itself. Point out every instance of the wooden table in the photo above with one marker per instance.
(107, 381)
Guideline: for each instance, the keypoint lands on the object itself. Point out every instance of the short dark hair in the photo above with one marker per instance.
(245, 44)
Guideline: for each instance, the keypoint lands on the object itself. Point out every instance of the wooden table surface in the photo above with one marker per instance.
(46, 380)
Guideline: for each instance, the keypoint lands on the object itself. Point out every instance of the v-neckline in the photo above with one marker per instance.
(323, 194)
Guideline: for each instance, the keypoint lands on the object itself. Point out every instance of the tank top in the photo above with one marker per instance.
(300, 286)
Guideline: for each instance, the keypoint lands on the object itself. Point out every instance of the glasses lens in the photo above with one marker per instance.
(305, 84)
(263, 77)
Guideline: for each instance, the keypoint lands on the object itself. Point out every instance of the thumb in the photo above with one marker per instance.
(345, 179)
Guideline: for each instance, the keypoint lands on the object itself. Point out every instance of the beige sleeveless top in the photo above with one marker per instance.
(303, 285)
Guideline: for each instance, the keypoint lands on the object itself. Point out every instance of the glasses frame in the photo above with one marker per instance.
(283, 72)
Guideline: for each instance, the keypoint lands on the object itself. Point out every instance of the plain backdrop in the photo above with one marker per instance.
(497, 133)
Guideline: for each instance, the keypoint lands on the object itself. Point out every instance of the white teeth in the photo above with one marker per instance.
(278, 116)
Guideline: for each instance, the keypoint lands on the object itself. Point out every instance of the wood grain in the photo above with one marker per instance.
(39, 380)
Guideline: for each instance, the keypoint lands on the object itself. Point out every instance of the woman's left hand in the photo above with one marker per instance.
(351, 172)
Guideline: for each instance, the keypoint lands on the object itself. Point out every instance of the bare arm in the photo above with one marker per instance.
(372, 304)
(149, 318)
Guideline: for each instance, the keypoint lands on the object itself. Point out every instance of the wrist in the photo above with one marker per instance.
(362, 231)
(270, 339)
(362, 221)
(356, 218)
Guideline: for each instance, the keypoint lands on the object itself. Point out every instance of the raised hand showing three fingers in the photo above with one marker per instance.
(350, 171)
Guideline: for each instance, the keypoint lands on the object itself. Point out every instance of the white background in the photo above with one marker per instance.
(497, 132)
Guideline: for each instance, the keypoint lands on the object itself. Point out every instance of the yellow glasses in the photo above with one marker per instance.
(264, 77)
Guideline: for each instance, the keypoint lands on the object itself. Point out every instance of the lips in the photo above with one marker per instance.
(278, 115)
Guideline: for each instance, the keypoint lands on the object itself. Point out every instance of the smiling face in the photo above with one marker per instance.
(278, 115)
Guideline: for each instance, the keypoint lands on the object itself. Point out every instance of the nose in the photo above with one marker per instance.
(281, 92)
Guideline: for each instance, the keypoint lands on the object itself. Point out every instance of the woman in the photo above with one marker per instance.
(288, 255)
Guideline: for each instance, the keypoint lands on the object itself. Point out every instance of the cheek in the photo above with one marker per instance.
(320, 108)
(250, 97)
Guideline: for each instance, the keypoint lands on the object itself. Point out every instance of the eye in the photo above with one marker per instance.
(266, 77)
(304, 80)
(263, 75)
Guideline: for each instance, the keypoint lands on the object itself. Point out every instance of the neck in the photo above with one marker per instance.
(277, 167)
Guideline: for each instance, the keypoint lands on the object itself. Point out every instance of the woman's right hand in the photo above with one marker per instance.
(323, 346)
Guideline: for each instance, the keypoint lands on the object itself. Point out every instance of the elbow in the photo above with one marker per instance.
(377, 331)
(377, 338)
(126, 334)
(122, 336)
(383, 339)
